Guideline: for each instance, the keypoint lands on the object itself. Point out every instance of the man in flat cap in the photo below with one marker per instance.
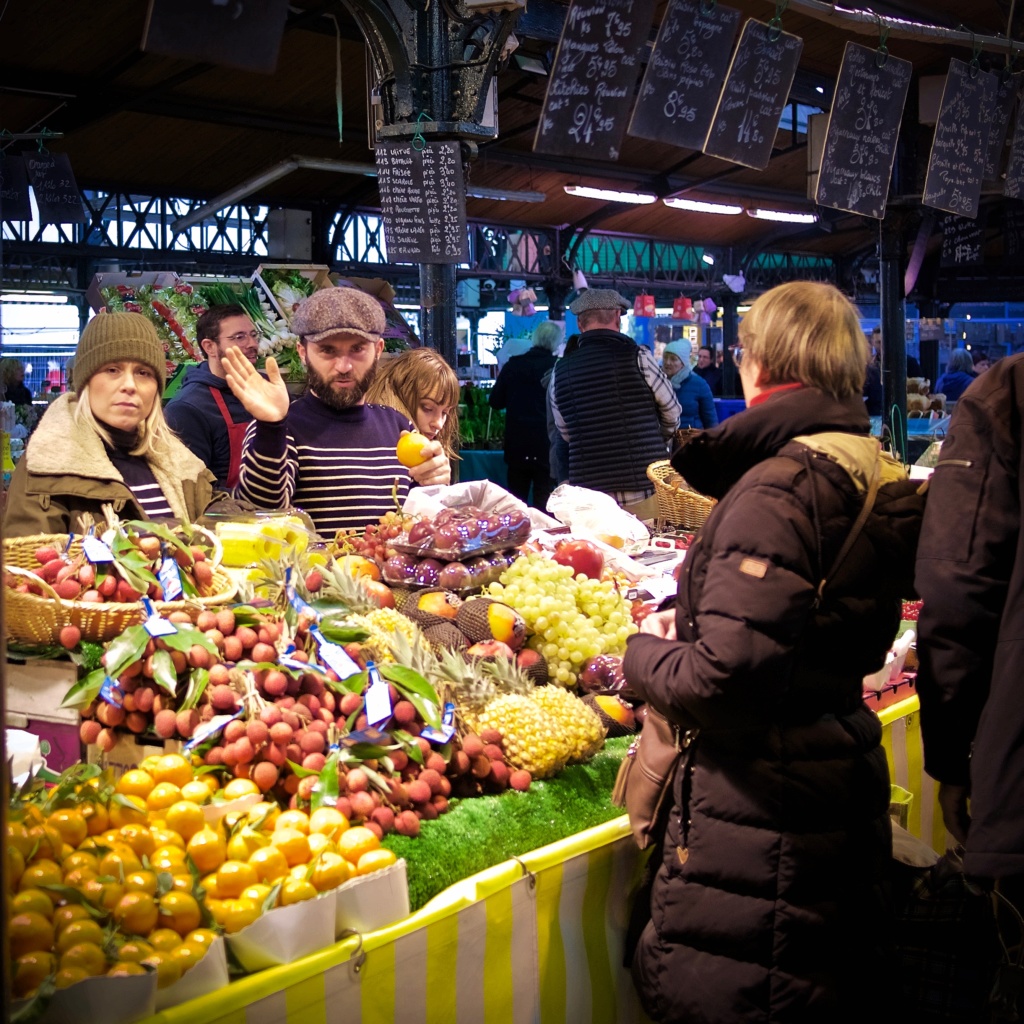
(613, 405)
(329, 452)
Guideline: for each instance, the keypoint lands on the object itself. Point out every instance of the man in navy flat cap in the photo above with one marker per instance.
(612, 404)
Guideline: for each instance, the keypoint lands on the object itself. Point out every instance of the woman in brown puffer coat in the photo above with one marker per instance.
(768, 904)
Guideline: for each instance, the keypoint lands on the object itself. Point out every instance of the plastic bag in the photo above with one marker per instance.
(593, 512)
(484, 494)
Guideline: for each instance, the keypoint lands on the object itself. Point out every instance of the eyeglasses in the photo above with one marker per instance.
(239, 338)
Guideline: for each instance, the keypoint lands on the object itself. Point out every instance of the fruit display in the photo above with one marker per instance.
(572, 618)
(455, 534)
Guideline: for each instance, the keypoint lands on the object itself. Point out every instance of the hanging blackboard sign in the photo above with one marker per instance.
(14, 203)
(590, 89)
(963, 241)
(1013, 228)
(957, 161)
(863, 127)
(756, 89)
(690, 58)
(1013, 187)
(999, 123)
(53, 182)
(423, 202)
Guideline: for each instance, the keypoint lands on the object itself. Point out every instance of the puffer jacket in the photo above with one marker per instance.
(768, 904)
(65, 471)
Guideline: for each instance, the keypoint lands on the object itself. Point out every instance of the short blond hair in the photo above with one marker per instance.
(155, 437)
(806, 332)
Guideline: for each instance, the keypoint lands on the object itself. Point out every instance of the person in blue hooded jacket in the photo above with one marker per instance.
(959, 376)
(695, 399)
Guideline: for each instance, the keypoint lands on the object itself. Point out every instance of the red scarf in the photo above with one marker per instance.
(765, 395)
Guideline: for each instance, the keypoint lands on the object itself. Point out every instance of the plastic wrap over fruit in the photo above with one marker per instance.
(460, 534)
(482, 494)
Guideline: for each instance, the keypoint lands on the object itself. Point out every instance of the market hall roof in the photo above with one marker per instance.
(150, 124)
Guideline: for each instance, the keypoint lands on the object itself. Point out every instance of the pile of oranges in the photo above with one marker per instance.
(117, 878)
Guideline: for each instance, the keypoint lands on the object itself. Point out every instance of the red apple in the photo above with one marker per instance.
(581, 556)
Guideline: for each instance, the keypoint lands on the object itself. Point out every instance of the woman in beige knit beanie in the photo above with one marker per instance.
(107, 441)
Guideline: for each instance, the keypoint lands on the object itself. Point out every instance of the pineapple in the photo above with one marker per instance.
(529, 738)
(383, 624)
(578, 723)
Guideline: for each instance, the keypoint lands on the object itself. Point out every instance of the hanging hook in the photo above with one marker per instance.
(882, 53)
(975, 54)
(775, 25)
(418, 141)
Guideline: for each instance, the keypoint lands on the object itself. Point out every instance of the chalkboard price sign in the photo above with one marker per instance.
(14, 204)
(755, 91)
(1013, 188)
(423, 201)
(956, 165)
(863, 127)
(963, 241)
(590, 90)
(54, 185)
(999, 123)
(689, 59)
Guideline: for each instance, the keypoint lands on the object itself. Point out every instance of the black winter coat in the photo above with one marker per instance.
(769, 901)
(520, 390)
(970, 572)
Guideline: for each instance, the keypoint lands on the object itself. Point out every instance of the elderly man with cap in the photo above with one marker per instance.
(329, 453)
(696, 403)
(107, 442)
(612, 404)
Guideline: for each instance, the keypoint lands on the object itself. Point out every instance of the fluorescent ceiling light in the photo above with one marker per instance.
(696, 206)
(610, 195)
(480, 192)
(708, 259)
(784, 216)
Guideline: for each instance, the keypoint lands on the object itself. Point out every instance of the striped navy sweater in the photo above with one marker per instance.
(337, 466)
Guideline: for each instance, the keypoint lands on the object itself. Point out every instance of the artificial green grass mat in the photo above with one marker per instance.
(480, 832)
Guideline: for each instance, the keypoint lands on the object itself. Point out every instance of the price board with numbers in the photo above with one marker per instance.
(756, 89)
(956, 164)
(14, 203)
(690, 57)
(863, 128)
(590, 89)
(53, 183)
(423, 201)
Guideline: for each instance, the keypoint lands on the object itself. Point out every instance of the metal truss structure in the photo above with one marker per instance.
(135, 233)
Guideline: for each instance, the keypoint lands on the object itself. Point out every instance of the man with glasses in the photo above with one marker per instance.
(329, 452)
(205, 414)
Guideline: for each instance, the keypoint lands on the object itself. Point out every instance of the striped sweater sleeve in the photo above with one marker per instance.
(269, 461)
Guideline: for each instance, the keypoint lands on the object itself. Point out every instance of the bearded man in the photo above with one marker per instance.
(329, 452)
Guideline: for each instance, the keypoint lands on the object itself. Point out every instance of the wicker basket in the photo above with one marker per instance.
(678, 503)
(31, 619)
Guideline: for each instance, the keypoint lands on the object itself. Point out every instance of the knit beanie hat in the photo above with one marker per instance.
(113, 338)
(680, 349)
(339, 311)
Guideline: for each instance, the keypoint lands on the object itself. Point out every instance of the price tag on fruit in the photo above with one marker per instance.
(334, 656)
(207, 729)
(95, 550)
(446, 732)
(301, 606)
(377, 697)
(111, 692)
(155, 624)
(170, 578)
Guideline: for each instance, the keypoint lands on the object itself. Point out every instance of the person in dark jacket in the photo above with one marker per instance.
(970, 574)
(959, 376)
(12, 379)
(612, 404)
(768, 903)
(205, 414)
(708, 371)
(696, 406)
(520, 390)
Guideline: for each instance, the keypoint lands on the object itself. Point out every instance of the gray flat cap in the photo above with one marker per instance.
(598, 298)
(338, 311)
